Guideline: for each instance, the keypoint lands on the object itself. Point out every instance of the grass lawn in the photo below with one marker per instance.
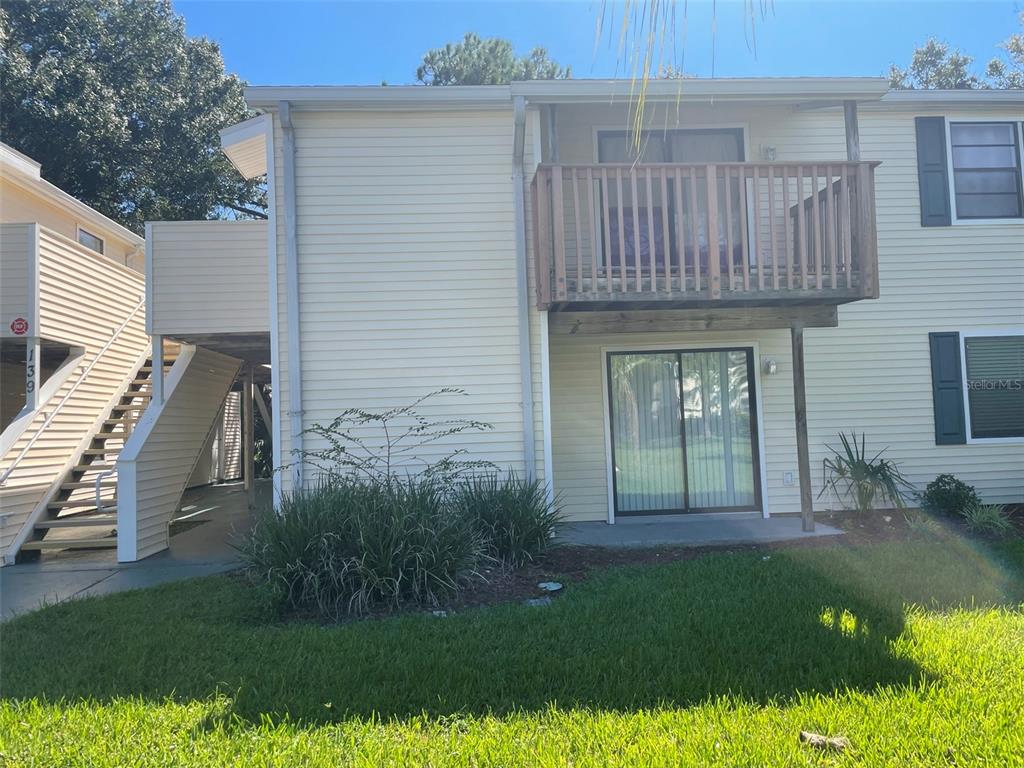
(913, 650)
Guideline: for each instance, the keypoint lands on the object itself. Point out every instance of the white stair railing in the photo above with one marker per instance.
(67, 395)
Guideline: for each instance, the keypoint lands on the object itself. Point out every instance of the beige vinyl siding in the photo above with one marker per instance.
(208, 277)
(83, 299)
(406, 248)
(872, 373)
(17, 260)
(162, 452)
(17, 504)
(20, 205)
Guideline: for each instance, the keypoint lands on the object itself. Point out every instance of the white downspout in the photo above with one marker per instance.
(292, 295)
(522, 284)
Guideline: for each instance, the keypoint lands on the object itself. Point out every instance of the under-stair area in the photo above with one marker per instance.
(83, 513)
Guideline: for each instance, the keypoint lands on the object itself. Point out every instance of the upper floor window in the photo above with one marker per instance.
(986, 170)
(89, 240)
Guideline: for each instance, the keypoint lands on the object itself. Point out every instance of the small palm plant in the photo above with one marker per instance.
(849, 473)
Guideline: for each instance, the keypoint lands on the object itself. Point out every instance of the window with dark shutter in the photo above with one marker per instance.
(995, 385)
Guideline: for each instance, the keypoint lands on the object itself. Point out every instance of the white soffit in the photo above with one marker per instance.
(245, 145)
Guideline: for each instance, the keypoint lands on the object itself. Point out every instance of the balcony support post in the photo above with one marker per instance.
(552, 134)
(800, 412)
(852, 130)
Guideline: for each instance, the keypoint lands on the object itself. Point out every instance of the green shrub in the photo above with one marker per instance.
(987, 518)
(946, 495)
(850, 473)
(512, 515)
(353, 544)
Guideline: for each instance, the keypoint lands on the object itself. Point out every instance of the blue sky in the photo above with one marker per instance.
(334, 42)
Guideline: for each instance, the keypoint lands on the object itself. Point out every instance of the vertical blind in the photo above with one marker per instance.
(647, 433)
(682, 436)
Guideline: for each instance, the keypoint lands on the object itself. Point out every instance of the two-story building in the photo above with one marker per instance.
(679, 322)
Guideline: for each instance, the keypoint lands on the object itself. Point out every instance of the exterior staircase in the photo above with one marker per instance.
(83, 513)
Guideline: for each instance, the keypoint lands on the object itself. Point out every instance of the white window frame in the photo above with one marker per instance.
(974, 333)
(103, 241)
(1018, 124)
(688, 347)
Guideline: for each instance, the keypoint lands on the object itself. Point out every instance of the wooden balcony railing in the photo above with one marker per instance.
(750, 233)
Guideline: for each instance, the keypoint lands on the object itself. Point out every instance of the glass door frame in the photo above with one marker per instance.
(756, 431)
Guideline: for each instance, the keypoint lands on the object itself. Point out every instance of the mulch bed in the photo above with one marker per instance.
(570, 565)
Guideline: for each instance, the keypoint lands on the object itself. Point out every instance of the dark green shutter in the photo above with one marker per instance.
(947, 389)
(932, 171)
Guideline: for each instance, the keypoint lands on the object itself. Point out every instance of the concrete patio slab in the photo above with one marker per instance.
(690, 531)
(212, 518)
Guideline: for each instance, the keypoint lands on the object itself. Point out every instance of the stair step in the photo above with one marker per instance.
(122, 408)
(82, 504)
(86, 484)
(97, 467)
(111, 435)
(106, 542)
(80, 521)
(100, 451)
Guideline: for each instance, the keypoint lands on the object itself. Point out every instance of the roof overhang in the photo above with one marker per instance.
(378, 97)
(23, 171)
(786, 90)
(245, 144)
(789, 90)
(981, 97)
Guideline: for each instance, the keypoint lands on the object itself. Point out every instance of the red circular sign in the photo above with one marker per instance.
(19, 326)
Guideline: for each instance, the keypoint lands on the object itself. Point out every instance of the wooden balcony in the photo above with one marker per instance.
(637, 236)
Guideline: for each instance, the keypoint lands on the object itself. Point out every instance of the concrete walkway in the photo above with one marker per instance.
(690, 531)
(211, 517)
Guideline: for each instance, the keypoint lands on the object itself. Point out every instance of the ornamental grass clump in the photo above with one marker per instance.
(386, 526)
(989, 519)
(352, 545)
(512, 515)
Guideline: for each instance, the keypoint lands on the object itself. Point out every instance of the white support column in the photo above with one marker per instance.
(545, 385)
(249, 436)
(157, 374)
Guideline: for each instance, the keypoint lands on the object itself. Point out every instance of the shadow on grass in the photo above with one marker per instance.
(757, 626)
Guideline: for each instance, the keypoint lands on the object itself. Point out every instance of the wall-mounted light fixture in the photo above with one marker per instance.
(768, 366)
(768, 153)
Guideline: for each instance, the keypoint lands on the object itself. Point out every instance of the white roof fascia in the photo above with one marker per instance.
(981, 97)
(400, 97)
(755, 89)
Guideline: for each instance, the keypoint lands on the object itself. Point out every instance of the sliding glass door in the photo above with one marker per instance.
(683, 431)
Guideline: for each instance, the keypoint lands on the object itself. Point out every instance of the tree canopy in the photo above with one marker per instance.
(122, 108)
(490, 61)
(935, 65)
